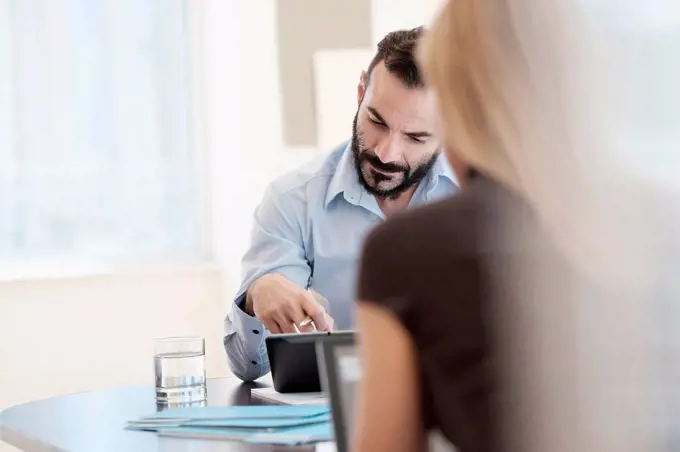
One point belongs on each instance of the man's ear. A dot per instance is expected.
(361, 89)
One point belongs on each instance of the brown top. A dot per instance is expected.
(428, 266)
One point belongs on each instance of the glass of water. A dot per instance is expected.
(179, 363)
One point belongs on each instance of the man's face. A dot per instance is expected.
(393, 134)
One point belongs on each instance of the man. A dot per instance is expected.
(309, 228)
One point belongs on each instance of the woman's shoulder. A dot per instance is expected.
(448, 225)
(423, 252)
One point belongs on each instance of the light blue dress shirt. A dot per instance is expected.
(310, 227)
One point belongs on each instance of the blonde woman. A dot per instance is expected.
(477, 314)
(423, 287)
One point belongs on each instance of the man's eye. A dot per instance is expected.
(376, 122)
(417, 140)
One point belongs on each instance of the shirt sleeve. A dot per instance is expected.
(276, 247)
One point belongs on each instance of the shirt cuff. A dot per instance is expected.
(248, 327)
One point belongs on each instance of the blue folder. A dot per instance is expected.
(250, 423)
(268, 423)
(271, 424)
(285, 436)
(239, 412)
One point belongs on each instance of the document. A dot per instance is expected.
(288, 436)
(302, 398)
(326, 446)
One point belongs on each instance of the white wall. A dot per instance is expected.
(336, 76)
(78, 334)
(390, 15)
(242, 103)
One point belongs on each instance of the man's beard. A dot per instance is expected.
(410, 176)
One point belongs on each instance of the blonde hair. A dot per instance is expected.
(526, 95)
(530, 93)
(457, 55)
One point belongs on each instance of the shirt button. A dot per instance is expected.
(256, 332)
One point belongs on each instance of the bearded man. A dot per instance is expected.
(309, 228)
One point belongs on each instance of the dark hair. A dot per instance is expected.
(397, 51)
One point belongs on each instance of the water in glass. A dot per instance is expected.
(180, 375)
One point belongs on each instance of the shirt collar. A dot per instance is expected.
(345, 180)
(441, 170)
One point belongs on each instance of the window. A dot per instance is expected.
(96, 158)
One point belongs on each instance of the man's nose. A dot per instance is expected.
(389, 150)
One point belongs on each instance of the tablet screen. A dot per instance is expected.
(349, 370)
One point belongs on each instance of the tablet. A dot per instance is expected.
(293, 361)
(340, 372)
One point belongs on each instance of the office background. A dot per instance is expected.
(135, 140)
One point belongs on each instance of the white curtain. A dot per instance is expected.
(96, 158)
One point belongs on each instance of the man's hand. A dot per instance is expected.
(282, 306)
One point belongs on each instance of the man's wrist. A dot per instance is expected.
(251, 295)
(248, 303)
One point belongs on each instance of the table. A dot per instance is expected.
(93, 422)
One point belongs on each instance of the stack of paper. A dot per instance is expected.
(302, 398)
(271, 424)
